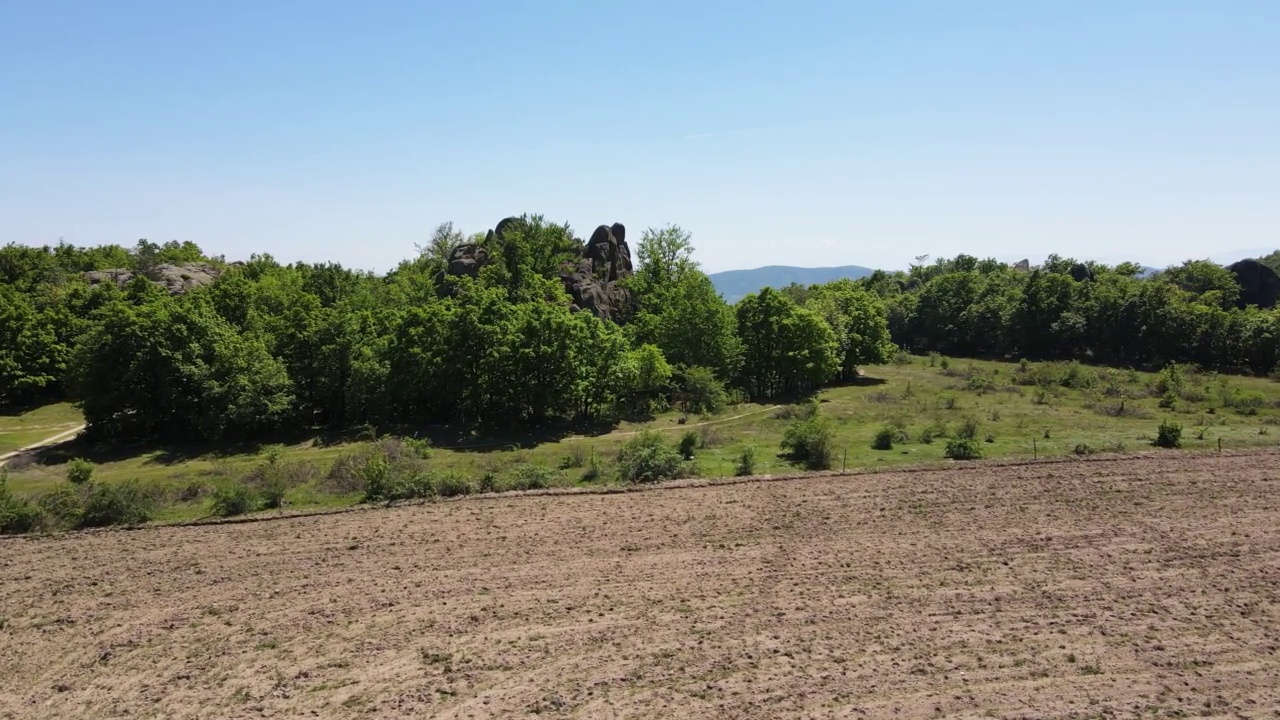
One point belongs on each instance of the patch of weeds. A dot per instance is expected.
(968, 429)
(575, 458)
(1093, 668)
(746, 462)
(452, 485)
(949, 401)
(126, 503)
(799, 411)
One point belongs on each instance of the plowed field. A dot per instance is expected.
(1142, 586)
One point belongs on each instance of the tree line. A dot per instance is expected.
(271, 347)
(1068, 310)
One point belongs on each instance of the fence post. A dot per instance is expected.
(845, 460)
(1219, 445)
(1035, 450)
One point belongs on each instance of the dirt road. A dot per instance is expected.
(1142, 587)
(51, 440)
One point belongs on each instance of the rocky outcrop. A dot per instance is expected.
(1022, 266)
(593, 281)
(1081, 272)
(175, 279)
(1259, 284)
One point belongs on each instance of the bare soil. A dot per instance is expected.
(1131, 587)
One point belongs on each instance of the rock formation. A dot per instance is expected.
(1081, 272)
(175, 279)
(1259, 284)
(593, 281)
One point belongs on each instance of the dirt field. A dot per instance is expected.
(1139, 587)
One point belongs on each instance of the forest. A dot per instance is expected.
(531, 326)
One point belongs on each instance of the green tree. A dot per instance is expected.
(858, 320)
(786, 348)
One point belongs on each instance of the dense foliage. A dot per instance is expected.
(271, 347)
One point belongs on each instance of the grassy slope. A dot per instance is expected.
(19, 431)
(1020, 420)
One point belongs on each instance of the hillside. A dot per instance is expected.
(737, 284)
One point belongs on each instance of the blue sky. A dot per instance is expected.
(801, 133)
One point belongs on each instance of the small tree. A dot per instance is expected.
(79, 471)
(883, 439)
(688, 444)
(746, 464)
(810, 442)
(1169, 435)
(647, 458)
(964, 449)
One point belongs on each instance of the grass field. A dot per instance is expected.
(23, 429)
(1011, 410)
(1110, 587)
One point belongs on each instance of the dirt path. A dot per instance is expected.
(52, 440)
(1131, 587)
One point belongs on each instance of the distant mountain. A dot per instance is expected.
(737, 284)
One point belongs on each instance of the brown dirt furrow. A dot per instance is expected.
(1135, 587)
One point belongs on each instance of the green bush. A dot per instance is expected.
(963, 449)
(647, 458)
(488, 483)
(1084, 449)
(17, 515)
(1169, 435)
(125, 503)
(746, 464)
(231, 500)
(273, 487)
(532, 477)
(63, 506)
(968, 429)
(884, 439)
(450, 485)
(688, 444)
(79, 471)
(810, 442)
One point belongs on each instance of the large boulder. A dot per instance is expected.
(1259, 284)
(175, 279)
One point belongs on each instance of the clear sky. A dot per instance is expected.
(800, 133)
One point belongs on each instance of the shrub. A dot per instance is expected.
(688, 444)
(79, 471)
(799, 411)
(902, 357)
(710, 436)
(883, 439)
(1084, 449)
(950, 400)
(926, 436)
(646, 458)
(968, 429)
(116, 504)
(532, 477)
(17, 515)
(810, 442)
(963, 449)
(450, 485)
(934, 358)
(488, 483)
(746, 463)
(231, 500)
(64, 506)
(1169, 435)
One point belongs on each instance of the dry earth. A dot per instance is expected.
(1133, 587)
